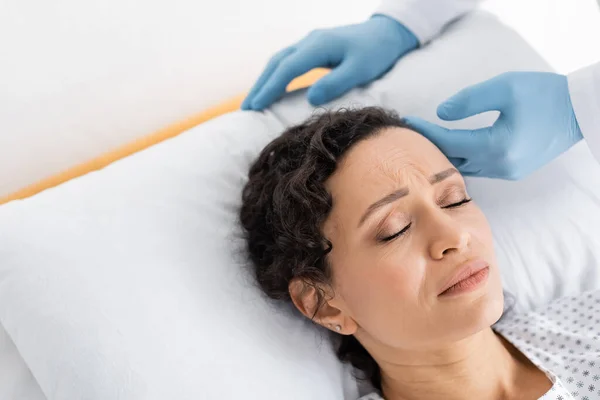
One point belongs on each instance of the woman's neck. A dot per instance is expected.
(484, 366)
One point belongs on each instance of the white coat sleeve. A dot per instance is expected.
(584, 89)
(425, 18)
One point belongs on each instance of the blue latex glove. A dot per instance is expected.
(536, 124)
(358, 53)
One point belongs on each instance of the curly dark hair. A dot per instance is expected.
(285, 204)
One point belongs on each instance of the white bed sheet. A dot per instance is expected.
(16, 380)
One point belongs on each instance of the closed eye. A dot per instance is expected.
(397, 234)
(403, 231)
(460, 203)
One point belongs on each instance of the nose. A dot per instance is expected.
(446, 236)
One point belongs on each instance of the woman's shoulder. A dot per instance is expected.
(556, 333)
(567, 313)
(582, 309)
(562, 338)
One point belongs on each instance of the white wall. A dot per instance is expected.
(80, 77)
(565, 32)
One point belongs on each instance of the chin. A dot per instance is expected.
(471, 314)
(494, 309)
(488, 310)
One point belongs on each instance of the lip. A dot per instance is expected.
(470, 272)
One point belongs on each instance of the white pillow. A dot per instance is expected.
(129, 283)
(16, 381)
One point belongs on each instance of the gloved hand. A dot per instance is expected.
(358, 53)
(536, 124)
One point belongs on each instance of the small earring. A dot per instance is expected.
(338, 328)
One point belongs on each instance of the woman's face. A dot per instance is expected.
(402, 231)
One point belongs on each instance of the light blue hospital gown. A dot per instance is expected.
(563, 340)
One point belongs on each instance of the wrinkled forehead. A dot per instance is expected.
(394, 158)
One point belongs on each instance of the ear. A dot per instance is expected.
(305, 296)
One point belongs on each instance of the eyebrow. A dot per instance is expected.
(398, 194)
(440, 176)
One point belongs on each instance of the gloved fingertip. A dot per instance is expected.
(316, 97)
(424, 127)
(457, 162)
(246, 105)
(444, 111)
(453, 109)
(258, 105)
(412, 121)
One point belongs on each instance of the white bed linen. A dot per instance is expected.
(16, 380)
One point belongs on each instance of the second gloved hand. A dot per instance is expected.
(358, 54)
(536, 124)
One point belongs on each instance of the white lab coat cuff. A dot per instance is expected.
(425, 18)
(411, 18)
(584, 89)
